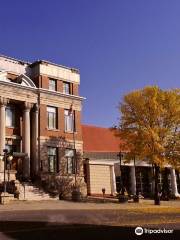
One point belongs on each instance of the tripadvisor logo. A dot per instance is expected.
(139, 231)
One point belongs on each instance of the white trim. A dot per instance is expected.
(26, 80)
(41, 90)
(13, 84)
(3, 76)
(96, 162)
(47, 91)
(13, 136)
(138, 163)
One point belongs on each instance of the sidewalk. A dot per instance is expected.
(144, 205)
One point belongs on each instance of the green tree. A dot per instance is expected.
(150, 127)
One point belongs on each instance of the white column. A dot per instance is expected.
(133, 179)
(35, 163)
(113, 180)
(26, 138)
(3, 102)
(174, 183)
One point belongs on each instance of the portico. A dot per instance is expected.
(139, 178)
(19, 122)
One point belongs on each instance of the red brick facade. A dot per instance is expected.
(29, 95)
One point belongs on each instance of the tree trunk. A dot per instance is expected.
(156, 193)
(165, 186)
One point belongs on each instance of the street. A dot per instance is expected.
(52, 220)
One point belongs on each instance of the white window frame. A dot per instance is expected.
(52, 84)
(52, 112)
(52, 159)
(69, 121)
(70, 161)
(66, 88)
(10, 120)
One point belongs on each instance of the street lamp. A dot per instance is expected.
(9, 161)
(75, 156)
(71, 113)
(76, 192)
(7, 158)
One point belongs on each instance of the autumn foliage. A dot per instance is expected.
(150, 125)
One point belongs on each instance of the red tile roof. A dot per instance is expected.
(98, 139)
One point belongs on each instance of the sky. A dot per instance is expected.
(118, 45)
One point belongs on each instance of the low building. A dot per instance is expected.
(102, 155)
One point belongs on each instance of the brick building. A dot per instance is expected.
(40, 123)
(40, 118)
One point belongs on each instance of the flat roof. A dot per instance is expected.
(31, 64)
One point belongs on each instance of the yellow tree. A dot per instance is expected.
(150, 127)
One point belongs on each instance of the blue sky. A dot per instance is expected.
(118, 45)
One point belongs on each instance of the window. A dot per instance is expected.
(52, 118)
(69, 121)
(66, 88)
(70, 166)
(52, 84)
(10, 117)
(52, 159)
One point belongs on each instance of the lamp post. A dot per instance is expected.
(75, 159)
(76, 195)
(7, 159)
(71, 113)
(8, 162)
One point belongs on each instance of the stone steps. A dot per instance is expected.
(33, 193)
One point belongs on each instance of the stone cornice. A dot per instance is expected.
(42, 90)
(59, 78)
(14, 59)
(13, 84)
(53, 93)
(43, 68)
(18, 92)
(45, 62)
